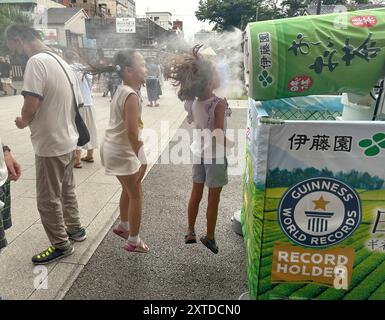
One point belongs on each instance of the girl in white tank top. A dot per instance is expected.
(121, 151)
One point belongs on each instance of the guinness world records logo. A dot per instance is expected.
(319, 212)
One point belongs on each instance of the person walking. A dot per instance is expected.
(152, 83)
(5, 76)
(87, 110)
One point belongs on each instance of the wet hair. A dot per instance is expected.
(21, 31)
(123, 58)
(192, 73)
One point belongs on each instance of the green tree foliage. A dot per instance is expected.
(283, 178)
(293, 8)
(9, 15)
(226, 14)
(335, 2)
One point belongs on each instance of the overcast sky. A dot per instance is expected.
(180, 9)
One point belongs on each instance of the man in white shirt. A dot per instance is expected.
(49, 111)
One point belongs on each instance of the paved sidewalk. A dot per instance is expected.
(172, 270)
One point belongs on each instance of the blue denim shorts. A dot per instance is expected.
(212, 175)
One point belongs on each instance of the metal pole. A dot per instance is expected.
(319, 7)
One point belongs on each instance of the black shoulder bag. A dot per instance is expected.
(84, 135)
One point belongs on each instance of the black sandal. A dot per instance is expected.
(210, 244)
(190, 238)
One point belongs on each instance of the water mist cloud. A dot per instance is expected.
(229, 58)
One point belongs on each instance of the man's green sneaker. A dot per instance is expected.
(51, 254)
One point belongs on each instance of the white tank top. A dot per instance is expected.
(116, 131)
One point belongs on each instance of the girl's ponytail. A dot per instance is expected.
(121, 59)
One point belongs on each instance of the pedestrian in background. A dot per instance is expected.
(152, 83)
(87, 110)
(6, 77)
(114, 81)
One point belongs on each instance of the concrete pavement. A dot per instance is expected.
(98, 197)
(172, 270)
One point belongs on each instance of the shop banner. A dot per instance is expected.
(314, 210)
(326, 54)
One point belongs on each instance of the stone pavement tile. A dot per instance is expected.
(100, 177)
(92, 200)
(21, 187)
(57, 282)
(19, 139)
(16, 269)
(29, 173)
(82, 175)
(95, 234)
(26, 160)
(238, 104)
(24, 215)
(116, 198)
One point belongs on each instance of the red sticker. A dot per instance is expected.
(248, 134)
(300, 84)
(363, 21)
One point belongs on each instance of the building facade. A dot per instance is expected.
(163, 19)
(70, 26)
(32, 5)
(125, 9)
(104, 8)
(177, 27)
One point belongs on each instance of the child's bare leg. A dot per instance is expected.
(134, 193)
(193, 205)
(78, 155)
(212, 211)
(123, 203)
(90, 153)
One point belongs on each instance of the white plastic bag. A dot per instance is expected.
(3, 168)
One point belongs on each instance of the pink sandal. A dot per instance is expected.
(141, 247)
(119, 231)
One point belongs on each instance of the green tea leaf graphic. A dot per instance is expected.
(365, 143)
(379, 137)
(372, 151)
(382, 144)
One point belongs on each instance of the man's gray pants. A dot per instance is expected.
(56, 198)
